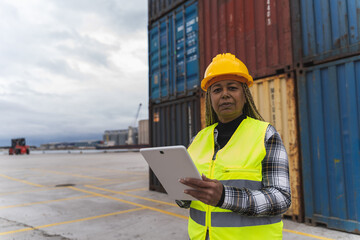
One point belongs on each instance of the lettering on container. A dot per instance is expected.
(191, 51)
(190, 22)
(272, 99)
(193, 58)
(268, 13)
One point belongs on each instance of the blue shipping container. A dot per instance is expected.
(174, 54)
(329, 110)
(330, 29)
(158, 8)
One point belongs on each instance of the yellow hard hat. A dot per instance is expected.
(226, 66)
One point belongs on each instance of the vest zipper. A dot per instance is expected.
(208, 215)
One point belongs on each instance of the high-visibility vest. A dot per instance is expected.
(237, 164)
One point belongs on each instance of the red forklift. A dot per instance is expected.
(18, 146)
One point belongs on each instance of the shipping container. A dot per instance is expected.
(143, 137)
(325, 30)
(275, 98)
(173, 123)
(257, 32)
(329, 117)
(174, 55)
(159, 8)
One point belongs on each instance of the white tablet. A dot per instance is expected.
(169, 165)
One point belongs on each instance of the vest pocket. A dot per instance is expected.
(232, 173)
(239, 170)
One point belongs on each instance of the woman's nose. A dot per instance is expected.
(225, 93)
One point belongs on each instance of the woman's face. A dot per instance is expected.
(227, 99)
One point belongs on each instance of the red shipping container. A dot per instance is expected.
(258, 32)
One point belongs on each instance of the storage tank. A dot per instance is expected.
(132, 136)
(143, 137)
(329, 111)
(115, 137)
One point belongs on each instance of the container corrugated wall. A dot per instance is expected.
(325, 30)
(159, 8)
(173, 54)
(329, 104)
(275, 98)
(173, 123)
(257, 32)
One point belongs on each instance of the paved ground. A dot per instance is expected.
(97, 196)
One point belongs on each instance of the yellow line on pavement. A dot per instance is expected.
(113, 170)
(136, 189)
(131, 195)
(27, 191)
(115, 181)
(71, 221)
(131, 203)
(70, 174)
(22, 181)
(307, 234)
(157, 201)
(141, 206)
(48, 201)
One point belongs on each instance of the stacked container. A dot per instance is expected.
(326, 54)
(304, 57)
(173, 75)
(259, 34)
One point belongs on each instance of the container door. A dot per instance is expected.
(154, 64)
(186, 49)
(275, 100)
(329, 109)
(173, 54)
(175, 122)
(330, 29)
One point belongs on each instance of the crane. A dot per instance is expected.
(137, 115)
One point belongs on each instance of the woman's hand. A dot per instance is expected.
(206, 190)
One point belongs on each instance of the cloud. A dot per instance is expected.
(71, 68)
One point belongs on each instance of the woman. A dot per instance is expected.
(245, 184)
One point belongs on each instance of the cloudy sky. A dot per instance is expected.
(71, 69)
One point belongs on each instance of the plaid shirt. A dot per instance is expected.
(274, 197)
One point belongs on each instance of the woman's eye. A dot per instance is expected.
(217, 90)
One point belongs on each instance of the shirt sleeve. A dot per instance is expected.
(274, 197)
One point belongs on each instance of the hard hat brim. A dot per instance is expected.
(244, 78)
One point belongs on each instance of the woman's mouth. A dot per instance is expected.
(227, 104)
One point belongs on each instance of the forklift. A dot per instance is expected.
(18, 146)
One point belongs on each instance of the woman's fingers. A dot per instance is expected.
(207, 190)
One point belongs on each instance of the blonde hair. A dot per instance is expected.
(249, 108)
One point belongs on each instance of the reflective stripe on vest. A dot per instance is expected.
(231, 219)
(237, 164)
